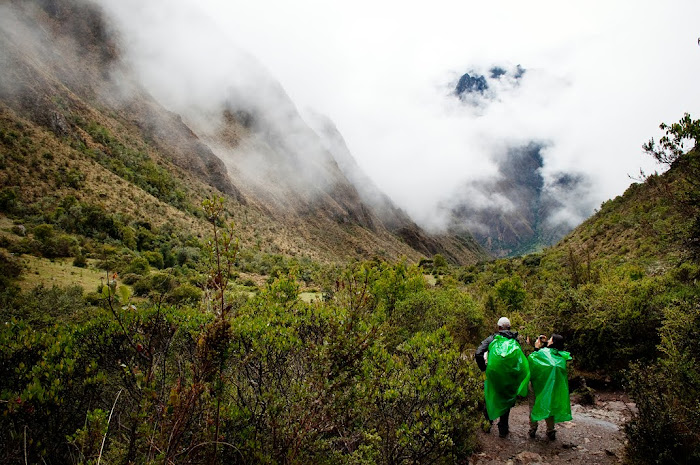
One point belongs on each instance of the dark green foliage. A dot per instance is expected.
(510, 293)
(431, 309)
(135, 166)
(80, 261)
(43, 306)
(278, 380)
(72, 178)
(154, 259)
(666, 428)
(8, 199)
(50, 379)
(155, 283)
(439, 261)
(425, 400)
(671, 145)
(185, 294)
(138, 265)
(10, 268)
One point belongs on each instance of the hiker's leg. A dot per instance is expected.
(551, 433)
(490, 422)
(503, 424)
(550, 424)
(531, 403)
(533, 429)
(486, 414)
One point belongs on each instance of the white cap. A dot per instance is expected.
(504, 323)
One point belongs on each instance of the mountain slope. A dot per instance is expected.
(654, 222)
(62, 71)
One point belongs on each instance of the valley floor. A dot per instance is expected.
(595, 436)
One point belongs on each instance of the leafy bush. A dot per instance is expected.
(139, 265)
(185, 294)
(425, 399)
(80, 261)
(10, 268)
(154, 258)
(8, 199)
(666, 428)
(44, 306)
(156, 283)
(49, 382)
(432, 309)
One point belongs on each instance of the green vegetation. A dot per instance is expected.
(179, 349)
(133, 165)
(203, 374)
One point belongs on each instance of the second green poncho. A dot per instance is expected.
(550, 384)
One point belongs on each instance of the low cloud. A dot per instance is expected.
(587, 81)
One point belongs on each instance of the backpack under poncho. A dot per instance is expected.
(507, 375)
(550, 384)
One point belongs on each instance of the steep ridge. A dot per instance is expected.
(62, 70)
(652, 223)
(58, 58)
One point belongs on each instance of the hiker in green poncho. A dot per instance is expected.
(507, 373)
(550, 384)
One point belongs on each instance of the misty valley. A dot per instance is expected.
(196, 271)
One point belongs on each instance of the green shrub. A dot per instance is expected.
(43, 232)
(187, 256)
(10, 268)
(154, 258)
(431, 309)
(155, 283)
(666, 428)
(62, 245)
(424, 400)
(139, 265)
(185, 294)
(80, 261)
(8, 199)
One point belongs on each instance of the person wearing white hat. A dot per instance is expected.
(481, 355)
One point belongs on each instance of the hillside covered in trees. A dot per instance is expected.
(179, 361)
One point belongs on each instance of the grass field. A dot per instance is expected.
(309, 297)
(59, 272)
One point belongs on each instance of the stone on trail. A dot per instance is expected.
(528, 458)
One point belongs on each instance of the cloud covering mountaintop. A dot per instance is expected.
(589, 82)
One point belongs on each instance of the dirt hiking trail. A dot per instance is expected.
(594, 436)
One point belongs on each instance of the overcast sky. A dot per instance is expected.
(600, 77)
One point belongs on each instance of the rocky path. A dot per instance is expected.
(594, 436)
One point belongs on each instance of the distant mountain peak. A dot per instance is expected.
(471, 84)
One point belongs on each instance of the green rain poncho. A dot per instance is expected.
(507, 375)
(551, 385)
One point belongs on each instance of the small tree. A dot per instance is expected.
(672, 146)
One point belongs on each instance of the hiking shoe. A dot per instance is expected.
(552, 435)
(502, 433)
(533, 433)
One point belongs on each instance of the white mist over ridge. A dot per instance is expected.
(597, 82)
(185, 61)
(595, 86)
